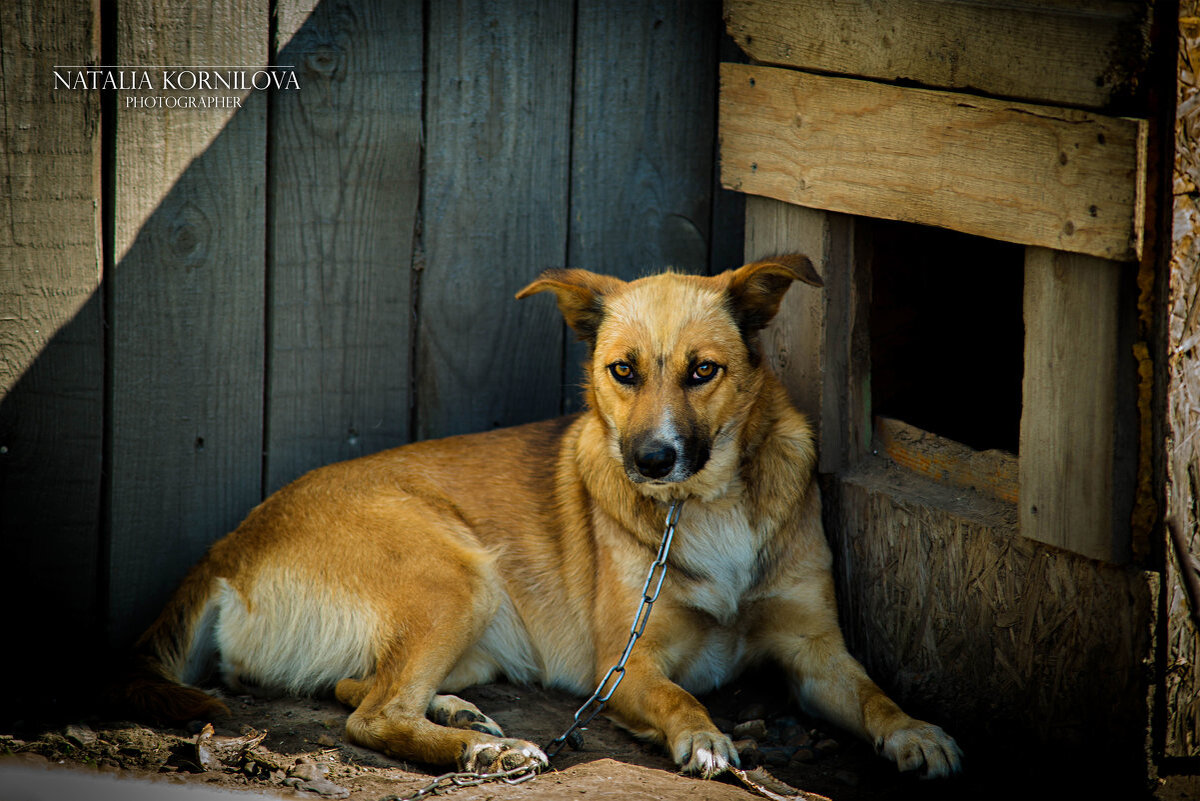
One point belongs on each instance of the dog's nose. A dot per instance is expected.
(655, 460)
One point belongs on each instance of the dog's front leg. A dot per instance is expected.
(652, 706)
(801, 631)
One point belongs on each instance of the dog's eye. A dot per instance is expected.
(705, 371)
(622, 371)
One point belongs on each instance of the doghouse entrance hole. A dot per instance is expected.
(947, 334)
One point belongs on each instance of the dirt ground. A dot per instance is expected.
(304, 754)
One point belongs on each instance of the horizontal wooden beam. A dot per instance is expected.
(992, 473)
(1034, 175)
(1060, 52)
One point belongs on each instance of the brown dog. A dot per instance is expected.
(412, 573)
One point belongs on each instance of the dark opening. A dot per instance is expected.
(947, 334)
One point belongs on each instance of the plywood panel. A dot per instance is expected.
(643, 130)
(1069, 395)
(187, 305)
(494, 213)
(51, 340)
(1028, 174)
(1062, 52)
(345, 181)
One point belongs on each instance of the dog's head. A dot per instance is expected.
(675, 364)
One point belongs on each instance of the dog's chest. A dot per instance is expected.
(716, 554)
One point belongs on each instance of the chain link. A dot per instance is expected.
(592, 706)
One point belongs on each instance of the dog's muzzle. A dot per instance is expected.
(658, 460)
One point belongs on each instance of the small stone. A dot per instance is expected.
(80, 734)
(826, 746)
(747, 751)
(751, 728)
(752, 712)
(326, 740)
(776, 757)
(797, 737)
(803, 756)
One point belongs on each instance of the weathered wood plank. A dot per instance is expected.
(993, 473)
(643, 131)
(494, 213)
(344, 186)
(1069, 396)
(1182, 448)
(1063, 52)
(1033, 175)
(187, 305)
(51, 338)
(1028, 648)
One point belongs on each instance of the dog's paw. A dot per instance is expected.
(496, 756)
(705, 753)
(922, 745)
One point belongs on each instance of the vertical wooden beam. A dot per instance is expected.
(643, 129)
(494, 213)
(1069, 399)
(187, 305)
(51, 339)
(344, 187)
(818, 344)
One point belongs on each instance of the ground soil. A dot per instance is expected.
(611, 764)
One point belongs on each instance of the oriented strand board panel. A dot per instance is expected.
(643, 130)
(1037, 656)
(1034, 175)
(1182, 676)
(51, 336)
(1059, 52)
(1068, 419)
(494, 213)
(187, 305)
(344, 187)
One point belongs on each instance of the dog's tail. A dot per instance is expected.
(175, 650)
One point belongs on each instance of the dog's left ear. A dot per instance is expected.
(756, 290)
(580, 297)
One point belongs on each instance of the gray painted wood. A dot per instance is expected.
(344, 187)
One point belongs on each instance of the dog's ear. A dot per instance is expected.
(756, 290)
(580, 297)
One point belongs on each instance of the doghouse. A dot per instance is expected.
(197, 305)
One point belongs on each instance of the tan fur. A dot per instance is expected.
(399, 577)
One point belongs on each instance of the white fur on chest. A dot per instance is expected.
(716, 545)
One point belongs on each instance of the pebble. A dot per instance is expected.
(747, 751)
(756, 728)
(797, 737)
(80, 734)
(776, 757)
(803, 756)
(826, 746)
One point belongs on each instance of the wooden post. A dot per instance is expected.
(818, 343)
(187, 306)
(1069, 401)
(345, 181)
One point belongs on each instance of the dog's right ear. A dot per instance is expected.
(580, 297)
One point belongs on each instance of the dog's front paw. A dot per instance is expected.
(497, 755)
(704, 753)
(922, 744)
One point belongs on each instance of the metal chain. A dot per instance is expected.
(584, 715)
(600, 697)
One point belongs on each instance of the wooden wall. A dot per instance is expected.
(196, 306)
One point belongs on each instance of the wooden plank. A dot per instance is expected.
(643, 133)
(1033, 175)
(1064, 52)
(187, 305)
(1002, 639)
(1181, 671)
(495, 213)
(993, 473)
(51, 338)
(344, 186)
(1069, 401)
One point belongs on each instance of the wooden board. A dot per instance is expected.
(643, 130)
(993, 473)
(1034, 175)
(1028, 652)
(1064, 53)
(344, 186)
(1068, 419)
(1182, 448)
(497, 126)
(51, 337)
(187, 306)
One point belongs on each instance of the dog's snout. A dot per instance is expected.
(655, 459)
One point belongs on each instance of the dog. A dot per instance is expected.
(400, 578)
